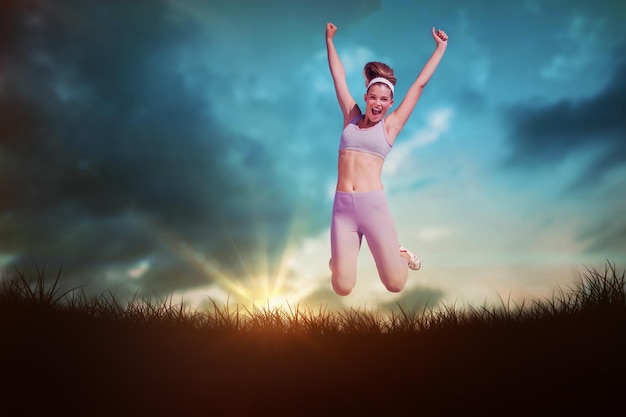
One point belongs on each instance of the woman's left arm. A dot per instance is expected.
(398, 118)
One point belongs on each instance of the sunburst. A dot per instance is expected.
(266, 281)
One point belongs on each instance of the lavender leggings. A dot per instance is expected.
(364, 214)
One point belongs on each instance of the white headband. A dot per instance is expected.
(381, 80)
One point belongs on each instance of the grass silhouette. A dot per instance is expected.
(64, 353)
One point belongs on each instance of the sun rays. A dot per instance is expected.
(257, 278)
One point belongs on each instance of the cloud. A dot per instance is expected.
(544, 135)
(116, 160)
(607, 234)
(582, 40)
(584, 140)
(438, 123)
(415, 299)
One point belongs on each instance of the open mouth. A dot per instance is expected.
(376, 112)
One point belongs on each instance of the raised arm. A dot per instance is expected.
(397, 119)
(349, 108)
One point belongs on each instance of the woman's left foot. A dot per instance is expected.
(415, 262)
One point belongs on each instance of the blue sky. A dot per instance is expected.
(189, 148)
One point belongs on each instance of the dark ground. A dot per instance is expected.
(59, 364)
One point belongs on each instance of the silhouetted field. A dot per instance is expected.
(63, 353)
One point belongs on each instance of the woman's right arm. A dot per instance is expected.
(349, 108)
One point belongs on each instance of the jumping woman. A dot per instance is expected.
(360, 206)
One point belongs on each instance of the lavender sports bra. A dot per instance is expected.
(372, 140)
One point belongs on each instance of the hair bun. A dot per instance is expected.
(376, 69)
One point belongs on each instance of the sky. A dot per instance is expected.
(188, 149)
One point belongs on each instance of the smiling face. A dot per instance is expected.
(378, 99)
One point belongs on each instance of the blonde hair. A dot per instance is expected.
(375, 69)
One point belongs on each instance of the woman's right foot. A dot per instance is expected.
(414, 261)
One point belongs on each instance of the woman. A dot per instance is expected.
(360, 206)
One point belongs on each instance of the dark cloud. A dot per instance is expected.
(610, 241)
(607, 235)
(415, 300)
(545, 135)
(594, 129)
(113, 158)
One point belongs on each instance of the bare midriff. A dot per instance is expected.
(359, 171)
